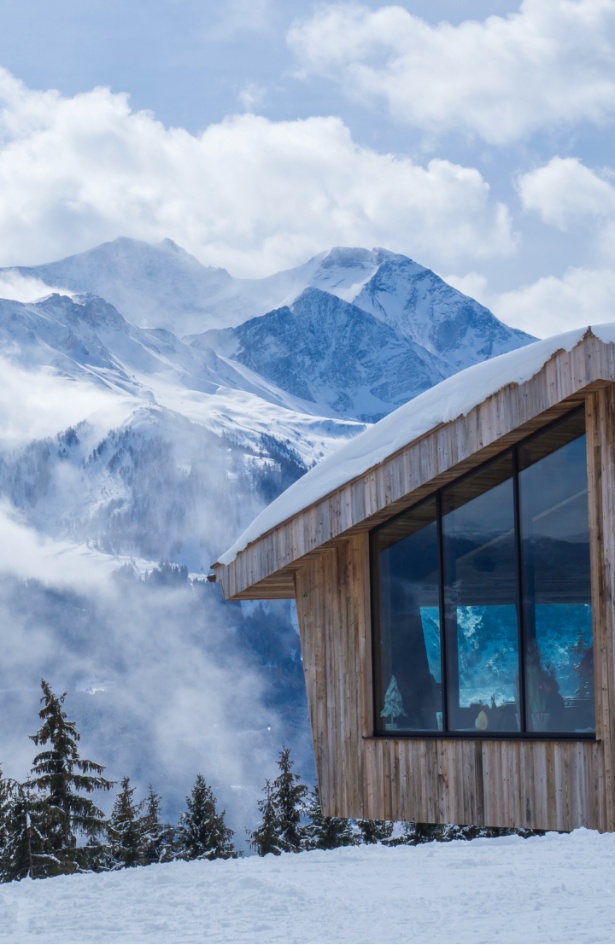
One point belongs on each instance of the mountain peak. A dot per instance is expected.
(346, 257)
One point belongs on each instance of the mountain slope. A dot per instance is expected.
(333, 354)
(422, 307)
(156, 286)
(162, 286)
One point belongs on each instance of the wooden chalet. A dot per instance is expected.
(453, 569)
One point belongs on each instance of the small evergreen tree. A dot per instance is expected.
(58, 778)
(126, 829)
(325, 833)
(282, 809)
(289, 799)
(158, 838)
(202, 833)
(5, 796)
(264, 838)
(374, 831)
(26, 850)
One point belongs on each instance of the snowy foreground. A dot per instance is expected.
(547, 889)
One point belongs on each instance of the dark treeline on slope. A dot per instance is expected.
(49, 825)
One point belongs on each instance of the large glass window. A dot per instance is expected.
(480, 592)
(558, 664)
(482, 611)
(410, 680)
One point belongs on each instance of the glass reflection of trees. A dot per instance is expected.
(482, 609)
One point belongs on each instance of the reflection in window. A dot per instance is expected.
(410, 696)
(482, 633)
(556, 581)
(490, 581)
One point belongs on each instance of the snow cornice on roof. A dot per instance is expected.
(337, 494)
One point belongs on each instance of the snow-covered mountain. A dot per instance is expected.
(155, 286)
(332, 354)
(162, 286)
(150, 407)
(186, 422)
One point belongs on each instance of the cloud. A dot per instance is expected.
(252, 96)
(28, 555)
(13, 285)
(565, 192)
(40, 403)
(549, 65)
(156, 682)
(552, 304)
(249, 194)
(241, 16)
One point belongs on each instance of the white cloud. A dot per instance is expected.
(552, 305)
(550, 64)
(474, 284)
(38, 403)
(252, 96)
(13, 285)
(240, 16)
(248, 193)
(28, 555)
(565, 192)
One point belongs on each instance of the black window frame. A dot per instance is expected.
(437, 495)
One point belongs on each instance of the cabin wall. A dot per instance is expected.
(541, 784)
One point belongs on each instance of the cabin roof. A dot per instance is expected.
(347, 488)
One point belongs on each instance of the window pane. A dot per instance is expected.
(408, 646)
(559, 690)
(482, 634)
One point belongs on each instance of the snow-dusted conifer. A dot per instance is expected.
(158, 838)
(374, 831)
(5, 796)
(325, 833)
(202, 833)
(26, 850)
(264, 838)
(282, 809)
(59, 777)
(126, 828)
(289, 799)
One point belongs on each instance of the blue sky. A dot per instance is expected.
(475, 137)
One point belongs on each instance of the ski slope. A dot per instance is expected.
(556, 888)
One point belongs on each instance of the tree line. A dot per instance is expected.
(50, 826)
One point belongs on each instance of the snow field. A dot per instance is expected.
(546, 889)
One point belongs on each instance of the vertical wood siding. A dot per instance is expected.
(541, 784)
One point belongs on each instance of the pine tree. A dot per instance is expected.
(5, 796)
(26, 850)
(202, 833)
(375, 831)
(158, 838)
(126, 829)
(325, 833)
(264, 838)
(282, 809)
(289, 799)
(58, 778)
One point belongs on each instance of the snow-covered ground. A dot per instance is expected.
(546, 889)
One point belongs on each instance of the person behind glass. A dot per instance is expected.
(409, 664)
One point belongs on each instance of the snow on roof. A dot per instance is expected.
(452, 398)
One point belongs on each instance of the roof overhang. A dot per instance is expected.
(265, 568)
